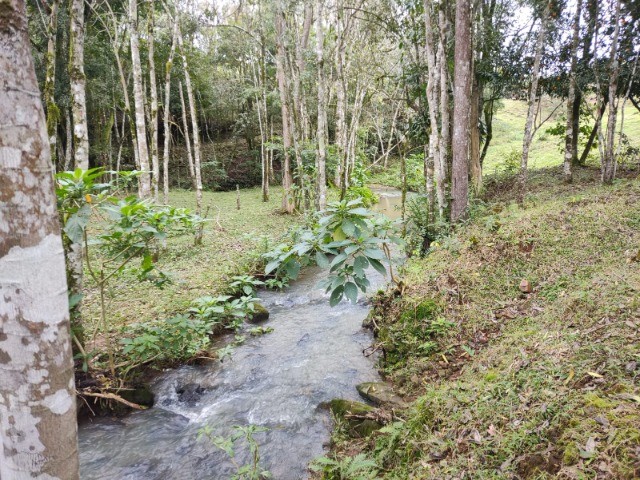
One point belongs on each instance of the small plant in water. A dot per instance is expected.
(243, 434)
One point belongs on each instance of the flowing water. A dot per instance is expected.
(278, 381)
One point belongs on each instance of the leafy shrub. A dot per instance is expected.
(175, 339)
(244, 284)
(223, 311)
(511, 162)
(364, 193)
(421, 231)
(354, 237)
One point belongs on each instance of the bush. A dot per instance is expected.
(363, 193)
(175, 339)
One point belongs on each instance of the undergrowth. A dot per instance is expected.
(518, 341)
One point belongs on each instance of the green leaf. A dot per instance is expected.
(336, 295)
(292, 267)
(271, 266)
(77, 223)
(360, 264)
(322, 260)
(378, 266)
(74, 300)
(351, 291)
(338, 259)
(374, 253)
(363, 212)
(348, 227)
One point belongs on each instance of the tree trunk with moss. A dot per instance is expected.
(144, 180)
(37, 394)
(153, 113)
(608, 167)
(321, 140)
(287, 180)
(461, 112)
(53, 112)
(78, 85)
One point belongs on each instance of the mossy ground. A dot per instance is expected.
(523, 385)
(231, 240)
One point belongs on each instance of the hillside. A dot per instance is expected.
(517, 341)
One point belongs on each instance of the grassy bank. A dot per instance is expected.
(231, 237)
(508, 132)
(518, 342)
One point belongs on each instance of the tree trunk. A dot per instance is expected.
(571, 130)
(187, 139)
(153, 113)
(590, 13)
(78, 84)
(445, 115)
(166, 110)
(341, 101)
(532, 103)
(287, 180)
(68, 151)
(37, 393)
(608, 168)
(53, 112)
(321, 153)
(474, 145)
(461, 112)
(432, 159)
(144, 185)
(195, 132)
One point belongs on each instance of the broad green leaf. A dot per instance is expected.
(378, 266)
(322, 260)
(336, 296)
(351, 291)
(271, 266)
(374, 253)
(348, 227)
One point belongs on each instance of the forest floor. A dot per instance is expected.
(232, 240)
(517, 341)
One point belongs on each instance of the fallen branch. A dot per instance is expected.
(112, 396)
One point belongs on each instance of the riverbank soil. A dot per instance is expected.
(517, 340)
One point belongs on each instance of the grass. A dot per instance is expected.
(230, 238)
(508, 132)
(524, 385)
(546, 150)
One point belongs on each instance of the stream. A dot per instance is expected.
(278, 381)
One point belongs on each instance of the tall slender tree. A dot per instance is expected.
(195, 132)
(37, 395)
(144, 184)
(53, 112)
(78, 82)
(571, 130)
(461, 112)
(532, 102)
(321, 152)
(608, 167)
(166, 111)
(153, 106)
